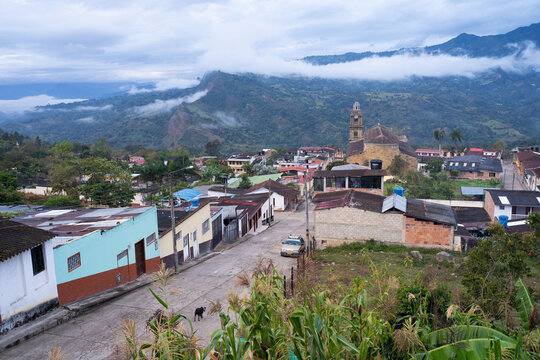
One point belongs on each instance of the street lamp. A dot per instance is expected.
(173, 225)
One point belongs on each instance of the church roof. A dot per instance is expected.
(379, 134)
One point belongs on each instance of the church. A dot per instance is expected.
(377, 142)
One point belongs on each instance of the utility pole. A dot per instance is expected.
(307, 209)
(173, 224)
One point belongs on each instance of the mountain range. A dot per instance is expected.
(249, 111)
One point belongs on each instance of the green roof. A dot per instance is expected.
(254, 180)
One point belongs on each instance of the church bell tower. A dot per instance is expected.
(356, 127)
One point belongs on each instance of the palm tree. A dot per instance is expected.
(438, 134)
(456, 137)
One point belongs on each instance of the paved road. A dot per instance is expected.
(97, 334)
(511, 178)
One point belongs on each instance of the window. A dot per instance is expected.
(206, 226)
(356, 134)
(371, 182)
(355, 182)
(150, 239)
(318, 184)
(186, 240)
(480, 173)
(464, 164)
(122, 255)
(38, 261)
(74, 261)
(491, 174)
(501, 207)
(340, 182)
(329, 182)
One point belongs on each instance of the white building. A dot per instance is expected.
(27, 275)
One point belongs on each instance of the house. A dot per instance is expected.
(378, 142)
(248, 210)
(282, 196)
(136, 161)
(428, 153)
(237, 161)
(474, 167)
(98, 249)
(528, 164)
(27, 274)
(36, 186)
(347, 216)
(366, 180)
(194, 235)
(492, 153)
(515, 204)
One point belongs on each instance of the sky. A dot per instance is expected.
(171, 43)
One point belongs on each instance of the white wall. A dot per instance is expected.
(20, 290)
(497, 211)
(278, 199)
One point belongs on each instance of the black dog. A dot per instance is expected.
(199, 312)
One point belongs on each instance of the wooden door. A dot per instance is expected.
(140, 258)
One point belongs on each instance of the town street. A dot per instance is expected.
(97, 334)
(511, 179)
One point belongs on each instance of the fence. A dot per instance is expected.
(291, 286)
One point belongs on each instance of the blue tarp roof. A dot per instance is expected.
(187, 194)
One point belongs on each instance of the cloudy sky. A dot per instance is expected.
(170, 43)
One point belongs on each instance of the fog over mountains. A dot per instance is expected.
(485, 85)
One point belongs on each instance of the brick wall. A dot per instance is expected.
(342, 225)
(420, 232)
(384, 152)
(475, 175)
(489, 205)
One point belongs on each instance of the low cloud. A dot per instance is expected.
(29, 103)
(397, 67)
(167, 84)
(88, 119)
(225, 119)
(161, 106)
(94, 108)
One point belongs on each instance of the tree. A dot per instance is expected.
(212, 148)
(456, 137)
(397, 166)
(438, 134)
(249, 169)
(62, 149)
(434, 165)
(245, 183)
(107, 183)
(8, 189)
(494, 266)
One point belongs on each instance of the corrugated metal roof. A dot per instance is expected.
(475, 190)
(394, 202)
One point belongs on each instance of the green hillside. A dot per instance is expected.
(251, 111)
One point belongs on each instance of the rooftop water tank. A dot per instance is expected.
(399, 191)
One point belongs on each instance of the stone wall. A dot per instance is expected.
(341, 225)
(421, 233)
(384, 152)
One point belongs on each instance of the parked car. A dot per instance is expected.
(292, 246)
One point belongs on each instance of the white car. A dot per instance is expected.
(292, 246)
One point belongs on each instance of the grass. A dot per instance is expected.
(335, 267)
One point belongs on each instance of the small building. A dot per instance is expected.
(237, 161)
(515, 204)
(348, 216)
(27, 275)
(193, 232)
(474, 167)
(36, 186)
(98, 249)
(492, 153)
(428, 153)
(282, 196)
(249, 211)
(366, 180)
